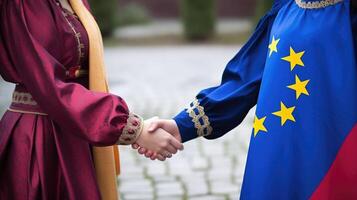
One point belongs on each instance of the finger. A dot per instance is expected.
(160, 157)
(155, 125)
(167, 154)
(146, 155)
(135, 146)
(171, 149)
(149, 154)
(142, 150)
(154, 156)
(176, 144)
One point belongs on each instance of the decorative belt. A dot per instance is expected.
(22, 102)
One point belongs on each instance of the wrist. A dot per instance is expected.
(132, 130)
(177, 131)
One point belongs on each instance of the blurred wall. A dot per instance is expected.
(171, 8)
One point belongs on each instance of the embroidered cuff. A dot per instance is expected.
(23, 98)
(200, 119)
(193, 122)
(132, 130)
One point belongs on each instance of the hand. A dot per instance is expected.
(168, 125)
(158, 141)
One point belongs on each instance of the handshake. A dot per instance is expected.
(160, 139)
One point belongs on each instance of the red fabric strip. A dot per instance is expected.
(341, 180)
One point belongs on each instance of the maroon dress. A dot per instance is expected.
(47, 133)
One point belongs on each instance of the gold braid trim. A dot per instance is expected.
(23, 98)
(204, 129)
(26, 112)
(316, 4)
(132, 130)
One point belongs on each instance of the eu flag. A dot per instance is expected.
(304, 141)
(299, 67)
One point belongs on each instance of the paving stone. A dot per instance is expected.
(170, 198)
(179, 167)
(220, 174)
(192, 147)
(221, 162)
(159, 179)
(234, 196)
(213, 149)
(137, 186)
(238, 176)
(223, 187)
(188, 178)
(156, 169)
(138, 197)
(196, 188)
(169, 189)
(238, 181)
(133, 169)
(129, 177)
(199, 163)
(208, 197)
(143, 160)
(240, 161)
(128, 158)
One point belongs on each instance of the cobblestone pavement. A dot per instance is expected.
(162, 81)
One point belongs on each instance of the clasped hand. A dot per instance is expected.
(160, 139)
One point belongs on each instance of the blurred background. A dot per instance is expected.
(159, 55)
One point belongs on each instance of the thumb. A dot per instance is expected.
(155, 125)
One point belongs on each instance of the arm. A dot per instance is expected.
(31, 39)
(217, 110)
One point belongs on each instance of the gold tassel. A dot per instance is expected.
(106, 159)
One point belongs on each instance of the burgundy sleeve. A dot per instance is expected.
(101, 119)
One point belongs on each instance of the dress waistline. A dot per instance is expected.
(22, 102)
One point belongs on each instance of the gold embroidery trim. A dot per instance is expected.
(204, 129)
(26, 112)
(77, 35)
(132, 130)
(23, 98)
(316, 4)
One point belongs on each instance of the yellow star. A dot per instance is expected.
(273, 46)
(294, 58)
(285, 113)
(259, 125)
(299, 87)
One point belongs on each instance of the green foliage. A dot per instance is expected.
(199, 18)
(105, 12)
(133, 13)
